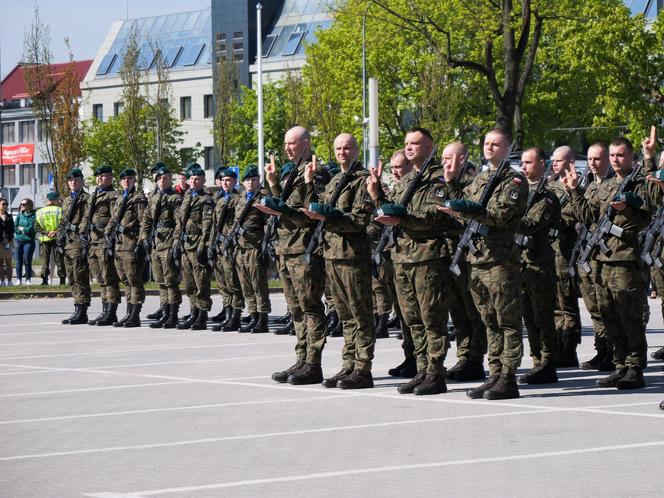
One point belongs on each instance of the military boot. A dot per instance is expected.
(338, 330)
(407, 368)
(262, 326)
(394, 322)
(201, 321)
(568, 357)
(104, 311)
(451, 333)
(247, 319)
(607, 364)
(359, 379)
(67, 320)
(286, 329)
(121, 321)
(111, 316)
(172, 320)
(341, 374)
(308, 374)
(658, 355)
(505, 388)
(282, 376)
(594, 362)
(157, 314)
(249, 324)
(381, 327)
(432, 384)
(221, 316)
(157, 324)
(540, 374)
(409, 387)
(188, 322)
(332, 319)
(478, 392)
(82, 316)
(633, 379)
(466, 370)
(283, 320)
(233, 324)
(134, 319)
(612, 379)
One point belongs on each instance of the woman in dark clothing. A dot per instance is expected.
(6, 242)
(25, 241)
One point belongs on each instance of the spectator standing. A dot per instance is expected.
(24, 232)
(6, 241)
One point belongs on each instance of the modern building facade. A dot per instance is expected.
(649, 8)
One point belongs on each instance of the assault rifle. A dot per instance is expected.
(389, 233)
(651, 247)
(219, 236)
(605, 226)
(69, 226)
(533, 195)
(317, 237)
(474, 227)
(85, 236)
(117, 228)
(152, 236)
(176, 252)
(232, 240)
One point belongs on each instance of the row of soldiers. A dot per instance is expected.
(525, 230)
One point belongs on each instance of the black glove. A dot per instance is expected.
(139, 251)
(201, 256)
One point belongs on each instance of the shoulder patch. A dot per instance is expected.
(514, 194)
(516, 181)
(439, 192)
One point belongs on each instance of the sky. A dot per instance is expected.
(85, 22)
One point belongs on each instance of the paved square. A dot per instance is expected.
(107, 412)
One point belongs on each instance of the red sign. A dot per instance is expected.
(18, 154)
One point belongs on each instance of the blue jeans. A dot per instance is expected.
(24, 253)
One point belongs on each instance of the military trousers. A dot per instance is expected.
(468, 326)
(620, 287)
(539, 284)
(130, 270)
(51, 256)
(252, 274)
(78, 275)
(166, 276)
(228, 283)
(303, 287)
(566, 312)
(350, 283)
(103, 270)
(658, 279)
(496, 290)
(382, 287)
(589, 295)
(196, 278)
(422, 291)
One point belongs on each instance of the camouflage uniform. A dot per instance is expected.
(539, 280)
(382, 285)
(102, 266)
(130, 268)
(164, 271)
(197, 208)
(78, 271)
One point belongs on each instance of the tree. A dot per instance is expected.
(227, 102)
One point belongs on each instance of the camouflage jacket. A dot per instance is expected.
(225, 207)
(169, 203)
(101, 216)
(129, 226)
(254, 224)
(536, 224)
(194, 220)
(566, 233)
(72, 234)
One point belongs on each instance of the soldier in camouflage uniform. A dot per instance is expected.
(421, 259)
(96, 219)
(121, 235)
(251, 268)
(619, 281)
(469, 328)
(598, 162)
(156, 239)
(495, 280)
(537, 271)
(348, 267)
(568, 318)
(69, 240)
(303, 282)
(192, 227)
(228, 283)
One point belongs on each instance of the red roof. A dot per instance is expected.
(13, 86)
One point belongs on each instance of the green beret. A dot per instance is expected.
(219, 172)
(325, 210)
(195, 172)
(276, 204)
(103, 169)
(251, 172)
(229, 172)
(463, 206)
(629, 198)
(157, 167)
(659, 174)
(391, 210)
(74, 173)
(332, 167)
(127, 172)
(161, 172)
(286, 169)
(52, 196)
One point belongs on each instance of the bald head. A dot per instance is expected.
(399, 165)
(598, 160)
(297, 143)
(345, 150)
(563, 160)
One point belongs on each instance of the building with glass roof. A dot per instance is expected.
(650, 8)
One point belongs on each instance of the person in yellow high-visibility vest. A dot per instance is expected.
(48, 219)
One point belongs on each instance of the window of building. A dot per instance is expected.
(185, 157)
(117, 108)
(221, 47)
(208, 106)
(44, 169)
(8, 136)
(9, 174)
(26, 131)
(172, 55)
(41, 131)
(185, 108)
(208, 155)
(98, 111)
(26, 174)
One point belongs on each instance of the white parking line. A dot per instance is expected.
(267, 435)
(374, 470)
